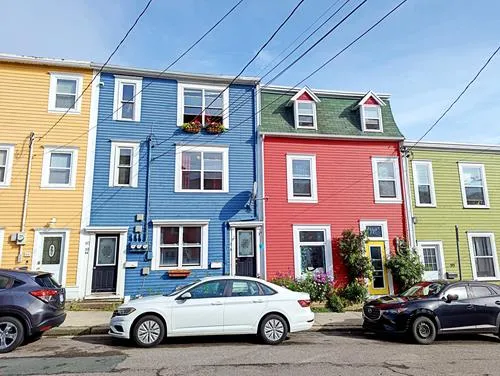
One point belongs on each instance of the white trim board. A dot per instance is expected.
(327, 243)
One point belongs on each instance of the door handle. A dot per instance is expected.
(258, 301)
(497, 302)
(216, 303)
(470, 307)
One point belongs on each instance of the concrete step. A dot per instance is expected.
(94, 305)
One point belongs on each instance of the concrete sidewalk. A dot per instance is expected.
(97, 322)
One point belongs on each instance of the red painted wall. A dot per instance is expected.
(305, 97)
(371, 100)
(345, 196)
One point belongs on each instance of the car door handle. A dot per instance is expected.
(497, 302)
(216, 303)
(258, 301)
(470, 307)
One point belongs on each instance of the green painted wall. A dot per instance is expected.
(438, 224)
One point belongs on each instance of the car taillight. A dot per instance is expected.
(45, 295)
(304, 303)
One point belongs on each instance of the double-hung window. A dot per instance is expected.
(301, 178)
(483, 255)
(201, 169)
(371, 118)
(312, 248)
(386, 181)
(128, 97)
(124, 164)
(6, 157)
(59, 167)
(473, 184)
(64, 92)
(423, 181)
(180, 245)
(305, 114)
(203, 104)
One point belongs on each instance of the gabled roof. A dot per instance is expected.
(370, 97)
(305, 92)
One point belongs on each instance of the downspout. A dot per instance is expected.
(148, 185)
(26, 193)
(410, 225)
(457, 239)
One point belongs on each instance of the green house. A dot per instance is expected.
(454, 220)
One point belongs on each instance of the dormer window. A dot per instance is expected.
(370, 113)
(304, 109)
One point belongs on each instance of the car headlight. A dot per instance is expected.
(123, 311)
(396, 310)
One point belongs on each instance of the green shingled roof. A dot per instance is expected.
(337, 116)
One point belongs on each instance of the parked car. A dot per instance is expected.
(30, 304)
(215, 306)
(439, 307)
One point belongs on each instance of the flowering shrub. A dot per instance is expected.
(192, 127)
(319, 286)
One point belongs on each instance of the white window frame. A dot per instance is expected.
(491, 236)
(363, 118)
(376, 189)
(181, 86)
(158, 224)
(296, 114)
(47, 152)
(114, 160)
(118, 96)
(8, 164)
(54, 76)
(289, 177)
(210, 149)
(327, 243)
(428, 165)
(462, 185)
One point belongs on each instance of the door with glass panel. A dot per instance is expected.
(379, 283)
(50, 254)
(431, 257)
(245, 253)
(105, 264)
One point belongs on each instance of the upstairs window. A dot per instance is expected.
(305, 114)
(371, 118)
(473, 184)
(301, 178)
(64, 92)
(387, 186)
(59, 167)
(6, 157)
(124, 164)
(203, 104)
(424, 183)
(127, 103)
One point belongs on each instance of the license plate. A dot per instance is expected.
(61, 298)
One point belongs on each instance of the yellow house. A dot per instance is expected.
(43, 163)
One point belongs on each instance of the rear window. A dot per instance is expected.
(47, 281)
(4, 282)
(266, 290)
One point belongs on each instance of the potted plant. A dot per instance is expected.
(179, 273)
(214, 127)
(193, 126)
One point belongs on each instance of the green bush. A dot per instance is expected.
(354, 292)
(353, 252)
(405, 266)
(286, 281)
(335, 303)
(319, 286)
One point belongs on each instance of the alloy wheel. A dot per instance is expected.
(274, 329)
(8, 334)
(148, 332)
(424, 330)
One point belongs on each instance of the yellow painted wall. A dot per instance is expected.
(24, 96)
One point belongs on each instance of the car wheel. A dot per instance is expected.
(423, 330)
(11, 334)
(148, 331)
(273, 329)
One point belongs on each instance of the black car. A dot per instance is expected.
(30, 304)
(431, 308)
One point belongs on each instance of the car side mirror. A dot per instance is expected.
(451, 297)
(185, 296)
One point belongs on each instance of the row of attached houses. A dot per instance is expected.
(119, 198)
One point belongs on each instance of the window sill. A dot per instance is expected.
(58, 111)
(128, 120)
(302, 201)
(476, 206)
(395, 201)
(123, 186)
(3, 186)
(373, 130)
(176, 268)
(484, 279)
(199, 191)
(310, 128)
(425, 205)
(57, 188)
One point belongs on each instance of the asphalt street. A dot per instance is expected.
(310, 353)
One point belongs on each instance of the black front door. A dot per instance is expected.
(246, 264)
(105, 264)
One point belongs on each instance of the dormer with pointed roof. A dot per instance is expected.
(370, 113)
(304, 109)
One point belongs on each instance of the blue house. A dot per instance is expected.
(170, 205)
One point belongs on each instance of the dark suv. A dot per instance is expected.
(431, 308)
(30, 304)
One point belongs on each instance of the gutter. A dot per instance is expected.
(34, 60)
(330, 93)
(330, 136)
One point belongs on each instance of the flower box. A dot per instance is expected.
(215, 128)
(179, 273)
(192, 127)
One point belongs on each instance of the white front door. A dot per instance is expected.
(432, 257)
(50, 254)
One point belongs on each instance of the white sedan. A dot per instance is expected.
(215, 306)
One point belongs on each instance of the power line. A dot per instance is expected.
(104, 65)
(457, 98)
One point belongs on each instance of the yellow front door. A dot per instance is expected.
(379, 284)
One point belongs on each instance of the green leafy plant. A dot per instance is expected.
(354, 292)
(319, 286)
(335, 303)
(353, 253)
(192, 127)
(405, 266)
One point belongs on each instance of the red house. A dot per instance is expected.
(331, 161)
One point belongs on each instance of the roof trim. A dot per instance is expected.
(35, 60)
(369, 95)
(329, 136)
(305, 89)
(331, 93)
(453, 146)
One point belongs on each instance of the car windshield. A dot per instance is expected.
(181, 288)
(424, 289)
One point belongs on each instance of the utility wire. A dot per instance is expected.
(101, 69)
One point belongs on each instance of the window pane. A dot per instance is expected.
(2, 174)
(65, 101)
(460, 291)
(385, 170)
(170, 235)
(66, 86)
(191, 235)
(193, 98)
(472, 176)
(128, 92)
(306, 121)
(51, 252)
(301, 168)
(191, 256)
(125, 156)
(372, 124)
(312, 236)
(485, 267)
(4, 282)
(213, 289)
(169, 256)
(107, 251)
(212, 96)
(312, 258)
(374, 231)
(305, 108)
(192, 110)
(475, 195)
(59, 176)
(424, 194)
(124, 175)
(482, 246)
(191, 180)
(302, 187)
(244, 288)
(266, 290)
(378, 280)
(423, 174)
(62, 160)
(376, 254)
(128, 110)
(212, 181)
(191, 160)
(387, 189)
(3, 157)
(212, 161)
(480, 291)
(371, 112)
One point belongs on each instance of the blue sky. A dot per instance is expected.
(423, 55)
